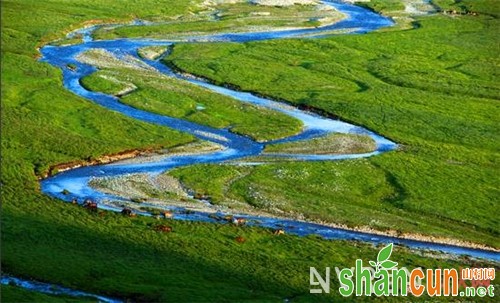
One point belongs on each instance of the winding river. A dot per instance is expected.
(76, 181)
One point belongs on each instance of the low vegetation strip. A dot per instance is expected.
(329, 144)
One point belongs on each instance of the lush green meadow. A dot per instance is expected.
(384, 6)
(151, 91)
(445, 170)
(434, 90)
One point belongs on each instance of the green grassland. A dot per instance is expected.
(434, 90)
(235, 17)
(383, 6)
(176, 98)
(43, 124)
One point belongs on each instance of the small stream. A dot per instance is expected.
(52, 289)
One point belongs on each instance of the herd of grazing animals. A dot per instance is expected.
(455, 12)
(92, 206)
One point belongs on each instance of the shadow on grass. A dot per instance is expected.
(138, 264)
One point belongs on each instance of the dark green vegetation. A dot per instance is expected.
(236, 17)
(43, 124)
(434, 90)
(20, 295)
(176, 98)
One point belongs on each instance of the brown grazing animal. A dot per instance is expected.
(279, 232)
(239, 221)
(167, 214)
(163, 228)
(90, 205)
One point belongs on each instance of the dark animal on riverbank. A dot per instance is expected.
(163, 228)
(90, 205)
(127, 212)
(74, 201)
(199, 196)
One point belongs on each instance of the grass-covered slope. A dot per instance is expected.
(433, 89)
(122, 257)
(42, 123)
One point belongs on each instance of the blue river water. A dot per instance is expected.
(52, 289)
(76, 181)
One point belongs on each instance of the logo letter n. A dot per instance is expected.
(315, 279)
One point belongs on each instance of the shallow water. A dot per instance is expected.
(52, 289)
(76, 181)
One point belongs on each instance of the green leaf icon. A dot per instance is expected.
(389, 264)
(384, 253)
(373, 264)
